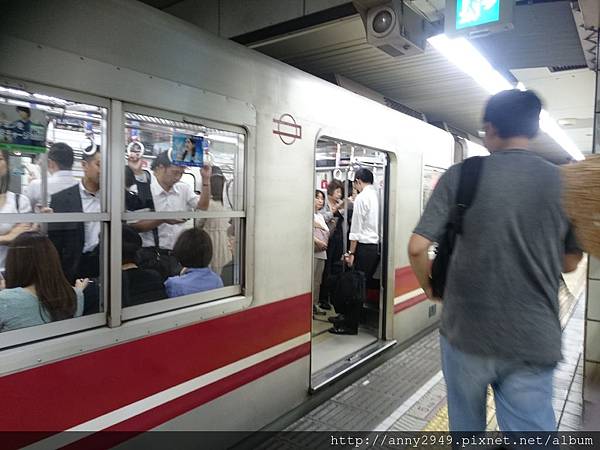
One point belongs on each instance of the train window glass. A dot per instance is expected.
(154, 143)
(51, 214)
(31, 124)
(50, 251)
(184, 211)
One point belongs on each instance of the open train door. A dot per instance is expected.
(333, 354)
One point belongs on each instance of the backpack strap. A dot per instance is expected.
(467, 188)
(145, 194)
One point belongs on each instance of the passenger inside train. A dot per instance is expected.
(321, 239)
(65, 175)
(193, 250)
(139, 285)
(10, 202)
(60, 175)
(36, 290)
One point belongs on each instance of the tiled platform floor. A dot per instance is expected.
(408, 392)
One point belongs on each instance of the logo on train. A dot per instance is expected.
(287, 129)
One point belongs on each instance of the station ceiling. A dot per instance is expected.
(544, 51)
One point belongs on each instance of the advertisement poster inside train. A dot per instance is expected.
(187, 150)
(431, 175)
(22, 129)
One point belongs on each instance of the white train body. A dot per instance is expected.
(240, 362)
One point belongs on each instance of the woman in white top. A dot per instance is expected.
(217, 227)
(10, 203)
(320, 237)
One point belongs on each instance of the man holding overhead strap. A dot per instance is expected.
(364, 244)
(500, 323)
(168, 194)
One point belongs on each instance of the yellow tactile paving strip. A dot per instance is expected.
(569, 292)
(439, 422)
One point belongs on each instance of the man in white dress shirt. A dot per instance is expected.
(364, 242)
(60, 164)
(169, 194)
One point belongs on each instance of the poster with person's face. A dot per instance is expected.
(22, 129)
(187, 150)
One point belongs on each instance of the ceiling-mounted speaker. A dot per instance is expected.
(396, 29)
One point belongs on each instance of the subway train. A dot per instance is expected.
(115, 72)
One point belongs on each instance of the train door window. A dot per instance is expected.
(184, 211)
(347, 322)
(52, 214)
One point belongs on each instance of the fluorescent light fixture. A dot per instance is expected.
(462, 54)
(552, 129)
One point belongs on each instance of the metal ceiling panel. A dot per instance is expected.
(544, 35)
(426, 83)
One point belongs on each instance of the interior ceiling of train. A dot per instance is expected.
(551, 49)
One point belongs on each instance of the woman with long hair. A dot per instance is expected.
(217, 227)
(10, 203)
(37, 290)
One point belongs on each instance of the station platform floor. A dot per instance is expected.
(408, 393)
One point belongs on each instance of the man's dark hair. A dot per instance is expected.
(62, 155)
(90, 152)
(514, 113)
(193, 248)
(132, 243)
(24, 109)
(364, 175)
(161, 160)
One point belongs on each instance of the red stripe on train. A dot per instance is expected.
(161, 414)
(60, 395)
(408, 303)
(405, 281)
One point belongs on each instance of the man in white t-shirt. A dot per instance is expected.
(364, 243)
(60, 164)
(169, 194)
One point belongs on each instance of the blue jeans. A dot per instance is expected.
(522, 392)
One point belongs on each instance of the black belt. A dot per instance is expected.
(162, 251)
(360, 243)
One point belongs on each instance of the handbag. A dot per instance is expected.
(467, 187)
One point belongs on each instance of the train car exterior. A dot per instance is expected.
(190, 366)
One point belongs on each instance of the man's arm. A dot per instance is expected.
(571, 261)
(573, 252)
(418, 254)
(355, 228)
(204, 200)
(146, 225)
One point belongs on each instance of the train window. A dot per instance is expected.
(52, 215)
(184, 208)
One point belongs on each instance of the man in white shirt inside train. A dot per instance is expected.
(364, 242)
(168, 194)
(60, 165)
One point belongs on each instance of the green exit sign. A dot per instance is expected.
(470, 13)
(475, 18)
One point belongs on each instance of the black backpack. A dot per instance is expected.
(467, 187)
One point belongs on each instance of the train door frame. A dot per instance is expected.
(330, 373)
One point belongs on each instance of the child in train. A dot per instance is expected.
(193, 249)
